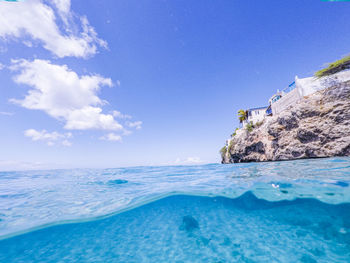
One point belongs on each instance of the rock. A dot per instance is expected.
(189, 223)
(289, 123)
(305, 136)
(316, 126)
(255, 147)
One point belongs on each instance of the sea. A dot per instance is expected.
(292, 211)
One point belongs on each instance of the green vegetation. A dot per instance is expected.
(242, 115)
(334, 67)
(259, 123)
(250, 126)
(223, 151)
(234, 134)
(230, 146)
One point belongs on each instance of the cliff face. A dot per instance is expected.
(316, 126)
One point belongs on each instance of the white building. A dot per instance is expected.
(292, 94)
(255, 115)
(304, 87)
(283, 99)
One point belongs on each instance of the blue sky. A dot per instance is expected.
(124, 83)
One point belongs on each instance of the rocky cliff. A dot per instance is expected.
(316, 126)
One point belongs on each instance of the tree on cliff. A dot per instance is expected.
(242, 115)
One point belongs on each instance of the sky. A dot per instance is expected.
(113, 83)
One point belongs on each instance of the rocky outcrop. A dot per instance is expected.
(316, 126)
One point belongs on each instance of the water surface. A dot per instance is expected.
(296, 211)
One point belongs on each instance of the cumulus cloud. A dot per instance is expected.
(120, 115)
(39, 20)
(64, 95)
(51, 138)
(112, 137)
(136, 124)
(63, 7)
(189, 160)
(66, 143)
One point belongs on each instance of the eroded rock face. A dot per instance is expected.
(316, 126)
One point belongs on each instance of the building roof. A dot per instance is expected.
(259, 108)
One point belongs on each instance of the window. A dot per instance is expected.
(276, 98)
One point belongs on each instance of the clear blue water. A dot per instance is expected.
(296, 211)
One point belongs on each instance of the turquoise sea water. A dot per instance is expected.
(297, 211)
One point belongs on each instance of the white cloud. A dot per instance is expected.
(2, 66)
(18, 165)
(189, 160)
(64, 95)
(63, 7)
(27, 43)
(6, 113)
(91, 118)
(11, 165)
(136, 124)
(111, 137)
(49, 137)
(38, 20)
(193, 160)
(66, 143)
(120, 115)
(127, 132)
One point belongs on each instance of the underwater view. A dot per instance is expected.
(294, 211)
(174, 131)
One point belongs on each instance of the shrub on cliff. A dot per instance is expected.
(230, 145)
(335, 67)
(259, 123)
(235, 133)
(223, 151)
(249, 127)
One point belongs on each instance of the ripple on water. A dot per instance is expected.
(196, 229)
(31, 199)
(116, 182)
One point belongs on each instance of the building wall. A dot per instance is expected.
(310, 85)
(256, 116)
(305, 87)
(286, 101)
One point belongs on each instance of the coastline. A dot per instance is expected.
(317, 126)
